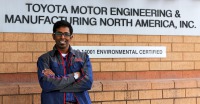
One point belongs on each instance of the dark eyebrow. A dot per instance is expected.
(62, 32)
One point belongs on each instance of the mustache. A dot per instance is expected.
(62, 41)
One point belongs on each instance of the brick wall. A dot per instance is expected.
(170, 91)
(19, 53)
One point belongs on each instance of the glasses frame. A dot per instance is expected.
(59, 34)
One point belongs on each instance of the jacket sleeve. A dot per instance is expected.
(85, 82)
(51, 83)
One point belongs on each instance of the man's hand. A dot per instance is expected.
(78, 73)
(48, 72)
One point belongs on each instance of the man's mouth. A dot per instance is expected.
(62, 42)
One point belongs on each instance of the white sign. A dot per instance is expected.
(149, 17)
(123, 51)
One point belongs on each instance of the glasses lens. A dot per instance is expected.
(60, 34)
(67, 34)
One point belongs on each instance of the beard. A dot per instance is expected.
(62, 44)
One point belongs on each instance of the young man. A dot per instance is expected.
(64, 74)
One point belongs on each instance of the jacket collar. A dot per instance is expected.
(56, 51)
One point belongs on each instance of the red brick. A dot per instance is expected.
(185, 101)
(17, 57)
(114, 85)
(43, 37)
(36, 99)
(96, 102)
(114, 102)
(194, 92)
(191, 74)
(198, 100)
(124, 59)
(182, 65)
(173, 39)
(1, 57)
(102, 75)
(198, 82)
(185, 83)
(100, 38)
(32, 46)
(162, 101)
(1, 99)
(173, 93)
(33, 77)
(125, 38)
(173, 57)
(112, 44)
(197, 65)
(1, 39)
(29, 88)
(170, 74)
(18, 37)
(7, 89)
(139, 102)
(104, 96)
(85, 44)
(101, 59)
(8, 67)
(124, 75)
(137, 66)
(162, 84)
(27, 67)
(182, 47)
(120, 95)
(139, 85)
(148, 59)
(91, 94)
(160, 66)
(8, 46)
(148, 38)
(18, 77)
(113, 66)
(190, 56)
(148, 75)
(137, 44)
(79, 38)
(36, 55)
(50, 45)
(95, 66)
(120, 75)
(132, 95)
(97, 86)
(191, 39)
(150, 94)
(17, 99)
(197, 47)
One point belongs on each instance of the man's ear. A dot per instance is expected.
(53, 36)
(71, 36)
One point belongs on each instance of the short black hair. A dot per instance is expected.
(62, 23)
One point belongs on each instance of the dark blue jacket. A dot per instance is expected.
(54, 88)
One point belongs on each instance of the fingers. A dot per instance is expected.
(78, 73)
(48, 72)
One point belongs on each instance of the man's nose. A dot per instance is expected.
(62, 36)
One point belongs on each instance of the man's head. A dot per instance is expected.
(62, 34)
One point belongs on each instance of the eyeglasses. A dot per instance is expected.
(59, 34)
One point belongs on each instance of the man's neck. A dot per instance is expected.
(65, 51)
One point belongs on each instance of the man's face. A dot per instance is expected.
(62, 37)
